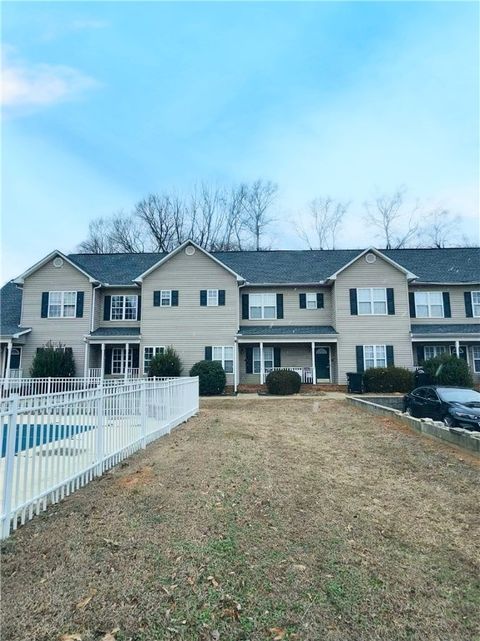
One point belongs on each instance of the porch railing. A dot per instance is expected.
(305, 373)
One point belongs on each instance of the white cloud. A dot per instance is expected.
(36, 85)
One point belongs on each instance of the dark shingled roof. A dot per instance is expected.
(10, 309)
(446, 329)
(116, 331)
(451, 265)
(285, 330)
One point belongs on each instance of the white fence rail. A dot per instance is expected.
(53, 444)
(305, 373)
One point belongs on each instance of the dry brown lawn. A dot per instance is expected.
(260, 519)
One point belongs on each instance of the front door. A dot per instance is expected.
(322, 363)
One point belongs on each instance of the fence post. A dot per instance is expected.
(9, 466)
(100, 432)
(143, 413)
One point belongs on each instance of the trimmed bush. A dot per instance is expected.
(448, 370)
(53, 360)
(283, 382)
(167, 363)
(211, 377)
(388, 379)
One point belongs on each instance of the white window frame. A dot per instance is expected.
(476, 358)
(219, 354)
(116, 360)
(156, 349)
(311, 300)
(437, 350)
(377, 358)
(62, 304)
(268, 357)
(260, 303)
(429, 305)
(166, 294)
(373, 297)
(212, 297)
(475, 304)
(123, 307)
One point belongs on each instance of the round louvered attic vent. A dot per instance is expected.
(190, 250)
(370, 258)
(57, 262)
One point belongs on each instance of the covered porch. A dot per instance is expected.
(11, 349)
(113, 353)
(309, 351)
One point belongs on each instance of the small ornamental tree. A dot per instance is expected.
(448, 369)
(167, 363)
(53, 360)
(388, 379)
(211, 377)
(283, 382)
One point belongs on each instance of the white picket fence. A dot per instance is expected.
(53, 444)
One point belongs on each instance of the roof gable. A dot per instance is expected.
(21, 279)
(376, 252)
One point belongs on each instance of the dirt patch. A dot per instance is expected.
(308, 520)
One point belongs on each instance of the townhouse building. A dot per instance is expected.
(323, 313)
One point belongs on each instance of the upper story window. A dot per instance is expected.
(62, 304)
(263, 306)
(429, 305)
(372, 301)
(212, 297)
(311, 300)
(124, 307)
(476, 304)
(165, 298)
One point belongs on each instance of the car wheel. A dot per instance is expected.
(449, 421)
(408, 410)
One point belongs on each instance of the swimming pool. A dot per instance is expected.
(28, 436)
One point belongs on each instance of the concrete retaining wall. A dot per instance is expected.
(456, 435)
(395, 402)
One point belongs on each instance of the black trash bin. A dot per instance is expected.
(355, 382)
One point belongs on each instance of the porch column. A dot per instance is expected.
(457, 348)
(262, 366)
(314, 373)
(127, 347)
(85, 361)
(102, 361)
(9, 358)
(236, 361)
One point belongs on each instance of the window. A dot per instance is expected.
(476, 304)
(267, 359)
(311, 300)
(118, 360)
(124, 308)
(148, 354)
(224, 355)
(166, 298)
(374, 356)
(62, 304)
(476, 359)
(212, 297)
(432, 351)
(372, 300)
(263, 306)
(429, 304)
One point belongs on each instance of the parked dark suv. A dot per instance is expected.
(455, 406)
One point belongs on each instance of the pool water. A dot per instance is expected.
(28, 436)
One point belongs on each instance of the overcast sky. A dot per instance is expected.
(106, 102)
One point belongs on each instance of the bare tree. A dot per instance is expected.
(326, 217)
(260, 198)
(441, 229)
(395, 223)
(99, 239)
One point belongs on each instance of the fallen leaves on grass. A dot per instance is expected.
(279, 633)
(71, 637)
(213, 581)
(111, 636)
(81, 605)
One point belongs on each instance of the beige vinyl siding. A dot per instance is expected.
(68, 331)
(457, 304)
(189, 327)
(121, 291)
(292, 314)
(371, 330)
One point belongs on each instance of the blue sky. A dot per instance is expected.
(106, 102)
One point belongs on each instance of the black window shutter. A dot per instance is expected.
(320, 302)
(245, 306)
(353, 302)
(44, 308)
(106, 308)
(139, 312)
(420, 354)
(208, 353)
(390, 361)
(221, 297)
(249, 358)
(447, 312)
(303, 301)
(468, 304)
(360, 365)
(279, 305)
(203, 298)
(80, 297)
(411, 302)
(156, 299)
(108, 360)
(390, 301)
(277, 358)
(174, 297)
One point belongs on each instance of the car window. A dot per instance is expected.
(459, 395)
(419, 392)
(431, 395)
